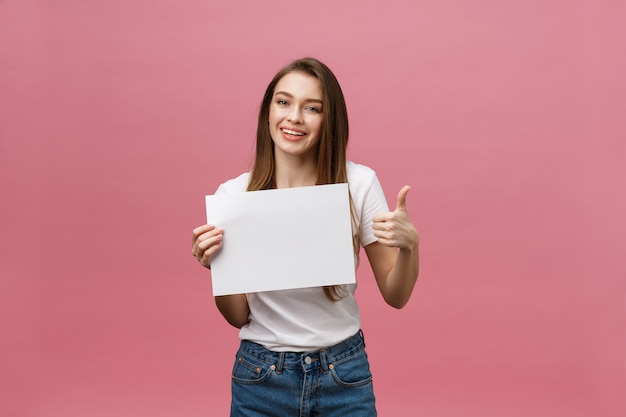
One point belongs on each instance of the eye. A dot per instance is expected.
(313, 109)
(282, 102)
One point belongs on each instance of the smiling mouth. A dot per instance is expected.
(292, 132)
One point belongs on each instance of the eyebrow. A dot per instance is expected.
(284, 93)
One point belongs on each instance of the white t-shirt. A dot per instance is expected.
(304, 320)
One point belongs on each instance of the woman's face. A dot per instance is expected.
(296, 115)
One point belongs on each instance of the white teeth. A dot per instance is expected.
(293, 132)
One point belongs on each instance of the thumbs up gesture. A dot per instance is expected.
(395, 228)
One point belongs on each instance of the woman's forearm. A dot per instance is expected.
(402, 278)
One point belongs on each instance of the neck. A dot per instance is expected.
(295, 172)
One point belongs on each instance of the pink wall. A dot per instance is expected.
(507, 118)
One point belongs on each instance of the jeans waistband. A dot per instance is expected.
(324, 357)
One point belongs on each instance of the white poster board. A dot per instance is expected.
(282, 239)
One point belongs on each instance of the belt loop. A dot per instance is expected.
(323, 360)
(362, 336)
(281, 361)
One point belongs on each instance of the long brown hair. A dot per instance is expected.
(331, 152)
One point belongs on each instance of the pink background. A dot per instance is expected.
(507, 118)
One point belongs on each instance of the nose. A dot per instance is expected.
(295, 115)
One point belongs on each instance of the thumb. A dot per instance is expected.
(401, 202)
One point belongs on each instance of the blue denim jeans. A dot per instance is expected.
(333, 382)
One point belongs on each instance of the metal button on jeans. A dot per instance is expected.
(307, 360)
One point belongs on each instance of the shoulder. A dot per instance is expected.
(359, 174)
(234, 185)
(364, 183)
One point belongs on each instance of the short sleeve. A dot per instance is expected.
(368, 198)
(374, 202)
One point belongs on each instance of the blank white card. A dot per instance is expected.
(282, 239)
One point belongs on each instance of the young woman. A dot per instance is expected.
(302, 351)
